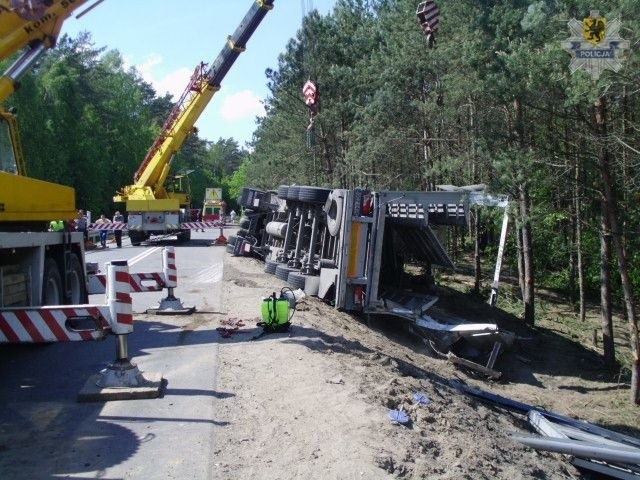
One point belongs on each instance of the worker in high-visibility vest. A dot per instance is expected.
(56, 226)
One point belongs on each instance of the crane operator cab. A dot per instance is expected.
(8, 160)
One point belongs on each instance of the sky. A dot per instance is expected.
(165, 40)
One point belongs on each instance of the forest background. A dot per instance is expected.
(493, 103)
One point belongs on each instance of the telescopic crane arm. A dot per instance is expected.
(32, 26)
(149, 179)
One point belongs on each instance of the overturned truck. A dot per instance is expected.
(352, 248)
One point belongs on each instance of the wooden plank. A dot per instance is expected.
(14, 288)
(494, 354)
(13, 278)
(474, 366)
(15, 299)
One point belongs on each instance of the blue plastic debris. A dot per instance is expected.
(399, 416)
(421, 398)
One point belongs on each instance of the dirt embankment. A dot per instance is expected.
(314, 402)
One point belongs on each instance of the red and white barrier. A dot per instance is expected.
(183, 226)
(119, 298)
(73, 322)
(168, 279)
(201, 225)
(108, 226)
(171, 305)
(169, 267)
(98, 283)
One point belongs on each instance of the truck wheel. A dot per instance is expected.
(136, 238)
(75, 282)
(283, 191)
(292, 192)
(334, 213)
(51, 283)
(283, 271)
(270, 266)
(313, 194)
(184, 236)
(297, 280)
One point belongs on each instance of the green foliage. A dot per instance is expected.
(88, 123)
(493, 103)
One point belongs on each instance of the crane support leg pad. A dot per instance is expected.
(91, 392)
(171, 311)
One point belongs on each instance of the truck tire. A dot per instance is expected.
(313, 194)
(184, 236)
(297, 280)
(75, 282)
(270, 266)
(136, 238)
(283, 190)
(244, 223)
(51, 283)
(283, 271)
(292, 192)
(333, 208)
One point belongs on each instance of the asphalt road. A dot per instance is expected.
(46, 434)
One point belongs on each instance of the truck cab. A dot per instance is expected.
(213, 210)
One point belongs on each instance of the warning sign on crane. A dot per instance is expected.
(213, 194)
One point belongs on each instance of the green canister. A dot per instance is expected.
(275, 311)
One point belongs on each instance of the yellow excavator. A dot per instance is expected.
(153, 208)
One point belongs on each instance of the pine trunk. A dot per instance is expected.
(528, 297)
(627, 289)
(477, 271)
(606, 315)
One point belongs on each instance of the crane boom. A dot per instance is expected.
(150, 178)
(33, 25)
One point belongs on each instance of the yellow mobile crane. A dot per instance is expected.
(37, 267)
(30, 26)
(152, 208)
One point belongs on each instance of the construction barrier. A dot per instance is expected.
(168, 279)
(111, 226)
(73, 322)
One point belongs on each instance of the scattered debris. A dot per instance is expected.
(590, 446)
(421, 399)
(453, 358)
(337, 380)
(399, 416)
(232, 326)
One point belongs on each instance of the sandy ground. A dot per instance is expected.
(314, 403)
